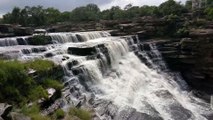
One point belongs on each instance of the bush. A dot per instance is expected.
(17, 87)
(40, 40)
(209, 13)
(80, 113)
(182, 32)
(40, 65)
(59, 114)
(34, 112)
(37, 93)
(15, 84)
(34, 109)
(49, 83)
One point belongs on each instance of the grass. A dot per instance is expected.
(80, 113)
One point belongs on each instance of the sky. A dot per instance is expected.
(67, 5)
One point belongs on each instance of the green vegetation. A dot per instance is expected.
(17, 87)
(59, 114)
(40, 40)
(38, 16)
(80, 113)
(34, 112)
(209, 13)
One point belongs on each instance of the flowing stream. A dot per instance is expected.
(113, 76)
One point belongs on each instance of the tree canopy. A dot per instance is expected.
(39, 16)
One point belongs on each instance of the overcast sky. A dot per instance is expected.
(67, 5)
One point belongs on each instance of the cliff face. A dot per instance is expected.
(192, 57)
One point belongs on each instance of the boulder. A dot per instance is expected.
(84, 51)
(5, 109)
(23, 31)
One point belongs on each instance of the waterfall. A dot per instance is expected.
(116, 77)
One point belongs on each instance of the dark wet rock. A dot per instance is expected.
(177, 111)
(132, 114)
(23, 31)
(5, 109)
(21, 41)
(47, 55)
(6, 28)
(82, 51)
(145, 47)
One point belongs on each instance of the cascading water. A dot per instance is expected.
(112, 76)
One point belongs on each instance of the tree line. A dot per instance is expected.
(39, 16)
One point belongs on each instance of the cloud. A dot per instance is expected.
(67, 5)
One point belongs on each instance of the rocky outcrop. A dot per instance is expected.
(7, 30)
(193, 57)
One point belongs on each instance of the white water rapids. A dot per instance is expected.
(114, 73)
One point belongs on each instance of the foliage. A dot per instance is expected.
(38, 92)
(209, 13)
(39, 16)
(182, 32)
(80, 113)
(32, 16)
(49, 83)
(149, 11)
(85, 13)
(59, 114)
(40, 40)
(33, 112)
(17, 87)
(172, 25)
(171, 7)
(188, 4)
(40, 65)
(14, 82)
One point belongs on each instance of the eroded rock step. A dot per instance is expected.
(170, 108)
(132, 114)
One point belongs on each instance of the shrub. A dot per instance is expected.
(80, 113)
(34, 112)
(40, 40)
(40, 65)
(49, 83)
(15, 84)
(59, 114)
(209, 13)
(17, 87)
(34, 109)
(37, 93)
(182, 32)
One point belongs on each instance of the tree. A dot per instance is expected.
(128, 7)
(148, 10)
(171, 7)
(188, 4)
(114, 13)
(38, 16)
(209, 3)
(16, 15)
(209, 13)
(52, 15)
(132, 12)
(85, 13)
